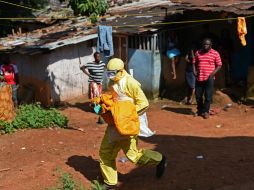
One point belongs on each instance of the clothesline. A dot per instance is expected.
(17, 5)
(142, 25)
(183, 22)
(126, 15)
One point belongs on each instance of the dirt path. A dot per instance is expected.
(225, 141)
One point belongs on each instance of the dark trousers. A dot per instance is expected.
(204, 88)
(14, 94)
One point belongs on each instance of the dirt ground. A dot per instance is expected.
(213, 154)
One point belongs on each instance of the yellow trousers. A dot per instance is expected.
(109, 151)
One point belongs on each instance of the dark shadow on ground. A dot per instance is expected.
(227, 164)
(173, 94)
(238, 95)
(87, 166)
(84, 106)
(249, 102)
(184, 111)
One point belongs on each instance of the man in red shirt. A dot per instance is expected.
(10, 73)
(206, 64)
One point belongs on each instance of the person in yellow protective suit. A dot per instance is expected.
(124, 87)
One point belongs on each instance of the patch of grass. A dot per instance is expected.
(66, 182)
(95, 185)
(34, 116)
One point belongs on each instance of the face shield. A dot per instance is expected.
(111, 74)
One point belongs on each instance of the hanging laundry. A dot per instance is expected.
(105, 40)
(242, 29)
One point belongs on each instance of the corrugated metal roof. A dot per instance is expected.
(126, 20)
(139, 5)
(163, 13)
(209, 2)
(239, 7)
(79, 30)
(48, 38)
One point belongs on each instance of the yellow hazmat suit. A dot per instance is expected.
(124, 87)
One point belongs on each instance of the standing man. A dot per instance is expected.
(11, 77)
(125, 87)
(95, 71)
(206, 64)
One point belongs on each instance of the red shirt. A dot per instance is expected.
(206, 63)
(9, 72)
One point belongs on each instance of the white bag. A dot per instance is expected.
(144, 130)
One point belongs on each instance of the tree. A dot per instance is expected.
(91, 8)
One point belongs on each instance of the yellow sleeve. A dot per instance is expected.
(133, 90)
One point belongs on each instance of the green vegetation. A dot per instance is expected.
(95, 185)
(34, 116)
(66, 182)
(91, 8)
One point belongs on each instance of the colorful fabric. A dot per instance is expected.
(9, 72)
(96, 71)
(242, 29)
(95, 90)
(7, 111)
(206, 63)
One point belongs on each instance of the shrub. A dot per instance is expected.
(91, 8)
(34, 116)
(66, 182)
